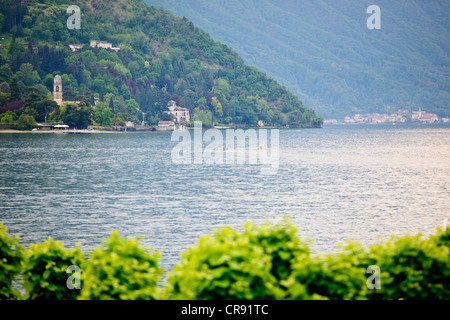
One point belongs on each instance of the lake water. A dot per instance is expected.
(336, 183)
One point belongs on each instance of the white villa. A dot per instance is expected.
(181, 114)
(75, 47)
(103, 44)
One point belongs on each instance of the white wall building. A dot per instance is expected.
(104, 45)
(180, 114)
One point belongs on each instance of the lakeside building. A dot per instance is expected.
(49, 127)
(401, 116)
(421, 116)
(376, 118)
(180, 114)
(45, 126)
(165, 126)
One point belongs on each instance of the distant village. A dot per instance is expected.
(401, 116)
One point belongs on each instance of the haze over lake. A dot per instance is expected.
(336, 183)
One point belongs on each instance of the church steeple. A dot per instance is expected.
(57, 90)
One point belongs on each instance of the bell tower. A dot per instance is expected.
(57, 90)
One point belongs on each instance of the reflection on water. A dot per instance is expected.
(339, 182)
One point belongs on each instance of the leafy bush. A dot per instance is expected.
(45, 271)
(339, 276)
(413, 267)
(8, 117)
(230, 265)
(262, 262)
(121, 270)
(280, 242)
(26, 122)
(10, 263)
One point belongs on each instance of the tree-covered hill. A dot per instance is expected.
(324, 53)
(161, 58)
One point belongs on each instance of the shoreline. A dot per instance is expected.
(54, 131)
(86, 131)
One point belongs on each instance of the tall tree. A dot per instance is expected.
(111, 104)
(15, 91)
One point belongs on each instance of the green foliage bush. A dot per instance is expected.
(340, 276)
(261, 262)
(230, 265)
(26, 122)
(45, 271)
(413, 267)
(10, 264)
(121, 270)
(8, 117)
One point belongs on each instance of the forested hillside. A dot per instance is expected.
(324, 53)
(161, 58)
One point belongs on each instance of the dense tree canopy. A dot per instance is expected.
(161, 58)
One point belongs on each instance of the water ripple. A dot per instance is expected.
(357, 182)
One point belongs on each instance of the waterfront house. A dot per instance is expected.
(165, 126)
(45, 126)
(181, 114)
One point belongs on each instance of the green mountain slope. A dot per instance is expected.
(323, 52)
(161, 58)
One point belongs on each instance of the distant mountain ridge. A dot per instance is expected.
(324, 53)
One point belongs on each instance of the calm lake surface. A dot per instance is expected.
(336, 183)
